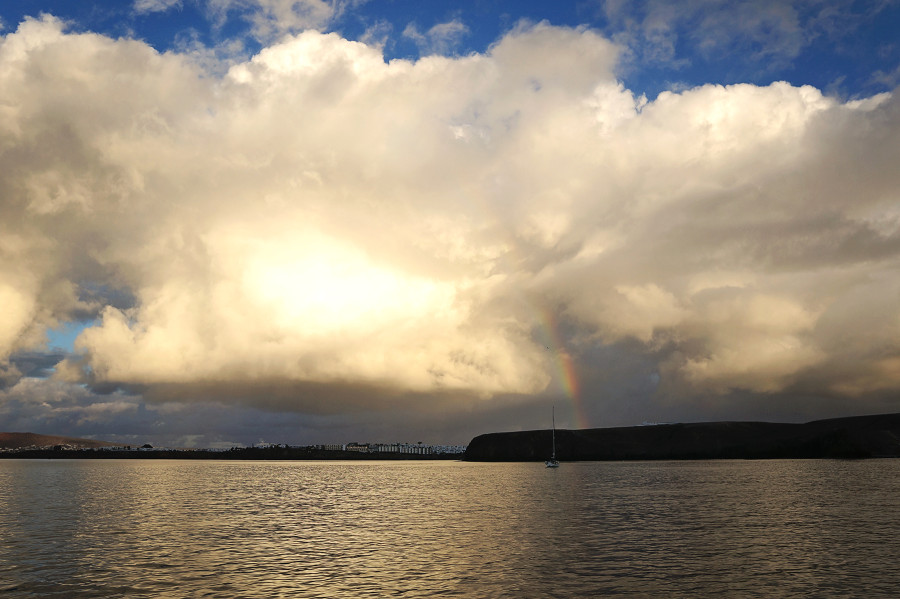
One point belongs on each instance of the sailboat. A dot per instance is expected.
(553, 462)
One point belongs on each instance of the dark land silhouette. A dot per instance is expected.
(857, 437)
(32, 445)
(854, 437)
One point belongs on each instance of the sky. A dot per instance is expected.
(231, 221)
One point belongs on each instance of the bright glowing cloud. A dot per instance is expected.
(320, 215)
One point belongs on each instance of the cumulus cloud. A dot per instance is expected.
(320, 230)
(271, 19)
(766, 35)
(40, 404)
(439, 39)
(54, 407)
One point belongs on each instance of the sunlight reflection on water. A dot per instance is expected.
(412, 529)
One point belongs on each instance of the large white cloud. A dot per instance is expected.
(319, 216)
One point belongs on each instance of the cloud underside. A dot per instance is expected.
(319, 219)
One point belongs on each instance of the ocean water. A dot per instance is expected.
(146, 528)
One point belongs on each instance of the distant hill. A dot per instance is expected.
(21, 440)
(856, 437)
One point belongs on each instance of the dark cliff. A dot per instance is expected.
(856, 437)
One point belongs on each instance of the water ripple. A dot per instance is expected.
(448, 529)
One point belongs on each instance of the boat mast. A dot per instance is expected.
(553, 433)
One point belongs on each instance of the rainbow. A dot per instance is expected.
(564, 367)
(565, 373)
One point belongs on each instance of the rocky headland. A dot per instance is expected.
(854, 437)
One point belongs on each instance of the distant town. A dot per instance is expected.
(408, 448)
(39, 446)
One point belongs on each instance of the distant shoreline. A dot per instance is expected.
(238, 453)
(860, 437)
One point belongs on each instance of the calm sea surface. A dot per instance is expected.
(449, 529)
